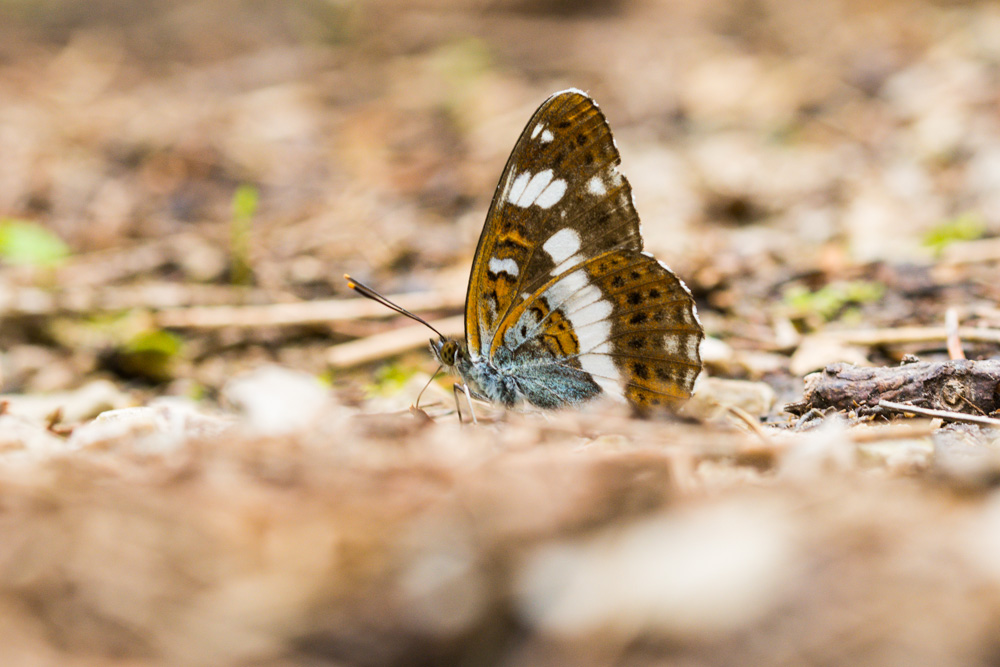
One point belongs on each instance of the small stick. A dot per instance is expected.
(902, 335)
(947, 415)
(751, 422)
(298, 313)
(861, 435)
(954, 340)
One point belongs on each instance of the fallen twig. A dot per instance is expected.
(36, 302)
(100, 267)
(903, 335)
(947, 415)
(751, 422)
(954, 339)
(865, 434)
(172, 305)
(301, 312)
(939, 385)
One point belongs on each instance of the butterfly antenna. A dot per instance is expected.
(368, 292)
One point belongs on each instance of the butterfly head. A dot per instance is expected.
(448, 351)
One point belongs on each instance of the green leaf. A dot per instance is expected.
(965, 227)
(24, 242)
(150, 355)
(245, 201)
(155, 341)
(390, 378)
(829, 301)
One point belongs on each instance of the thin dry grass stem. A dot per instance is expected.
(37, 301)
(752, 423)
(172, 304)
(299, 313)
(946, 415)
(904, 335)
(954, 339)
(987, 315)
(389, 343)
(869, 434)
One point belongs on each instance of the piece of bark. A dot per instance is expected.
(959, 385)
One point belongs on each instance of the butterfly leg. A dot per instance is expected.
(464, 388)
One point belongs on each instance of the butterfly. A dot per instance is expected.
(563, 305)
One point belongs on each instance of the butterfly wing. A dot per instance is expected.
(544, 195)
(560, 293)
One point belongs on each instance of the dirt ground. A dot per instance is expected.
(208, 454)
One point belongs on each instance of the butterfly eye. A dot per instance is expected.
(449, 353)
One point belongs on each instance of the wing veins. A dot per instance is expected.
(626, 355)
(629, 332)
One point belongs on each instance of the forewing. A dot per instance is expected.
(560, 200)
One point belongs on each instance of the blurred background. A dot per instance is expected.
(183, 185)
(797, 163)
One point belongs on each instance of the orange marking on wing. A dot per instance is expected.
(559, 338)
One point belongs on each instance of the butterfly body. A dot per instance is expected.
(530, 374)
(563, 305)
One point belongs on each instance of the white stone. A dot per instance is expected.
(671, 574)
(164, 425)
(278, 400)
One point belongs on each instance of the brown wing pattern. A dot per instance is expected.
(654, 333)
(560, 175)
